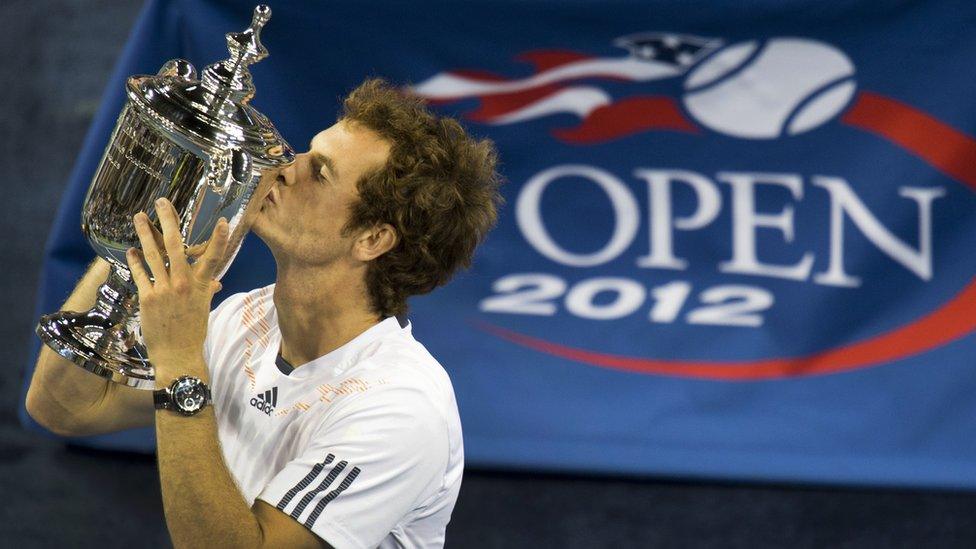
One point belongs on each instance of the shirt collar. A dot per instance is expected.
(336, 358)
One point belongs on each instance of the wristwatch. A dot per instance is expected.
(187, 395)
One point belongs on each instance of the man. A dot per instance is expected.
(330, 424)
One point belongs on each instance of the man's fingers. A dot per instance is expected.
(139, 274)
(210, 261)
(149, 249)
(158, 237)
(172, 238)
(197, 250)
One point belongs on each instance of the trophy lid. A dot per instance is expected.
(214, 112)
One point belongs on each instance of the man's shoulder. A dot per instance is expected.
(403, 359)
(400, 370)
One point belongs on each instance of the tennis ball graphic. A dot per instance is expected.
(785, 87)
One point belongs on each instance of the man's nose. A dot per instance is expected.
(286, 176)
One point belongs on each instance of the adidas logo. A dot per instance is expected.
(266, 401)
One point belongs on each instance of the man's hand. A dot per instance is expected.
(175, 308)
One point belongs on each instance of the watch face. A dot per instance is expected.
(189, 395)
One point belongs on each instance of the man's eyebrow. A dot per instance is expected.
(328, 162)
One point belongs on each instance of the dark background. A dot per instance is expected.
(55, 57)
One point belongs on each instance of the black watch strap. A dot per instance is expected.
(187, 395)
(162, 399)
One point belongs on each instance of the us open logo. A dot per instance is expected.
(776, 219)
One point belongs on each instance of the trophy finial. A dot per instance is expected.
(262, 12)
(247, 45)
(230, 80)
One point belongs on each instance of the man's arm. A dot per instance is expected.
(71, 401)
(203, 506)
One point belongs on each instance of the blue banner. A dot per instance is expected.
(738, 238)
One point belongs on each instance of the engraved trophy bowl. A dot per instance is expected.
(198, 143)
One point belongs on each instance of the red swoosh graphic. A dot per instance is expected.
(544, 60)
(494, 106)
(627, 117)
(941, 146)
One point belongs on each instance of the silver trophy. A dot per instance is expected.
(199, 144)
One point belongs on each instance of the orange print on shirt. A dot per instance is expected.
(253, 321)
(330, 392)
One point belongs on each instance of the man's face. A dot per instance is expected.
(302, 216)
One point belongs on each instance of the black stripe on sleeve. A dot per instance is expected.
(302, 484)
(310, 495)
(331, 496)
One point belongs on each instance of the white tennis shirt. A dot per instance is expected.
(362, 445)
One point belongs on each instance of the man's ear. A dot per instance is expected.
(375, 241)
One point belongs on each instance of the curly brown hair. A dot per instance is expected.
(439, 190)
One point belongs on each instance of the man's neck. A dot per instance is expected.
(319, 310)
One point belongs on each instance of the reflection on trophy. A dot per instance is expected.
(199, 144)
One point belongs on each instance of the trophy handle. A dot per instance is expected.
(241, 166)
(178, 68)
(230, 171)
(105, 340)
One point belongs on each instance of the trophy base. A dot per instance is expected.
(86, 340)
